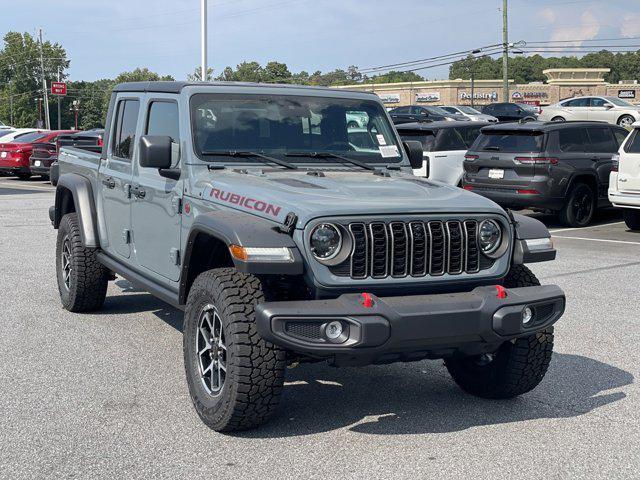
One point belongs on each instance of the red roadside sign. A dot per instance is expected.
(58, 88)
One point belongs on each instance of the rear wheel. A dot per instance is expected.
(235, 377)
(580, 206)
(558, 119)
(632, 218)
(517, 367)
(626, 120)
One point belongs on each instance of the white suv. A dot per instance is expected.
(624, 182)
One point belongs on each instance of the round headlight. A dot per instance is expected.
(326, 241)
(490, 236)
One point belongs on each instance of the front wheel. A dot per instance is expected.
(626, 121)
(517, 367)
(558, 119)
(631, 218)
(235, 377)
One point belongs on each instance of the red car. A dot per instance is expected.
(14, 155)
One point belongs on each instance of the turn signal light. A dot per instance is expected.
(615, 161)
(471, 157)
(528, 192)
(468, 187)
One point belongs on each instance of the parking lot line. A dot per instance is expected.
(583, 228)
(597, 239)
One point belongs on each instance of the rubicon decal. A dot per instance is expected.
(242, 201)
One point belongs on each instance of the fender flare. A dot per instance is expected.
(527, 228)
(581, 173)
(245, 230)
(82, 193)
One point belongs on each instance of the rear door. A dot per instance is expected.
(603, 146)
(629, 168)
(115, 175)
(448, 155)
(577, 109)
(156, 201)
(505, 158)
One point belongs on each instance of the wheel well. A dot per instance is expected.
(588, 179)
(64, 204)
(206, 252)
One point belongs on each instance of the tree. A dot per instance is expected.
(395, 76)
(196, 76)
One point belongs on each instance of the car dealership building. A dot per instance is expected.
(561, 83)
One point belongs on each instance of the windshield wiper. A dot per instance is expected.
(331, 155)
(237, 153)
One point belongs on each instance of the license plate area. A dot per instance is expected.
(496, 173)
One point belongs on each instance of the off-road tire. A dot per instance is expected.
(568, 214)
(517, 367)
(631, 218)
(88, 279)
(255, 368)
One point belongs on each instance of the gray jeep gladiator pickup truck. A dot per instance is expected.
(284, 241)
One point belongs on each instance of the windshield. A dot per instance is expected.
(278, 125)
(619, 103)
(29, 137)
(469, 110)
(509, 142)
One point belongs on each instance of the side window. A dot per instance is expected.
(469, 135)
(125, 133)
(601, 140)
(633, 144)
(401, 110)
(620, 135)
(578, 102)
(418, 111)
(572, 140)
(163, 120)
(598, 102)
(450, 139)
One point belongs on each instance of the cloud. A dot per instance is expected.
(547, 15)
(630, 26)
(573, 35)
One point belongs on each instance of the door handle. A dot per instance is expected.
(109, 183)
(138, 192)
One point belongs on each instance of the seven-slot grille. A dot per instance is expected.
(412, 249)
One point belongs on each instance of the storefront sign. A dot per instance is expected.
(389, 97)
(428, 97)
(479, 96)
(626, 94)
(528, 95)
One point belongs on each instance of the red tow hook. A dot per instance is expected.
(367, 300)
(502, 292)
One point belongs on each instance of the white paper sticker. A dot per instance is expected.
(388, 151)
(381, 140)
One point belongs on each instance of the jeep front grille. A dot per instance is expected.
(412, 249)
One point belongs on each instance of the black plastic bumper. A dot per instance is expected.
(406, 328)
(14, 170)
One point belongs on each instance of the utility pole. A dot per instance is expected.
(39, 102)
(47, 121)
(505, 53)
(473, 75)
(11, 102)
(59, 122)
(203, 40)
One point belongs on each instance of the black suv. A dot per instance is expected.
(511, 112)
(550, 166)
(417, 113)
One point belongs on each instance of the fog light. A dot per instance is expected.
(527, 315)
(333, 330)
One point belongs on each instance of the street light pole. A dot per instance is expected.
(473, 75)
(203, 40)
(505, 53)
(59, 118)
(47, 121)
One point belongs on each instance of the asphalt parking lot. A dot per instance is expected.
(103, 395)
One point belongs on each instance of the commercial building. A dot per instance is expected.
(561, 83)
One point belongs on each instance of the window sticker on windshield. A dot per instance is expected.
(381, 140)
(388, 151)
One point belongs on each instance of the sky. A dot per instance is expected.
(104, 38)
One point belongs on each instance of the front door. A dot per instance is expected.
(115, 176)
(601, 111)
(156, 208)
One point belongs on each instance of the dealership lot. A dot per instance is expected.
(104, 394)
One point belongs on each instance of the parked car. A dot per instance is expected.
(469, 112)
(419, 113)
(624, 182)
(444, 145)
(603, 109)
(45, 152)
(282, 243)
(7, 136)
(15, 155)
(90, 140)
(557, 167)
(511, 112)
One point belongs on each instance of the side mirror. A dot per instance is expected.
(155, 151)
(608, 106)
(414, 151)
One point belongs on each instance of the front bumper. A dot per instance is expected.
(411, 327)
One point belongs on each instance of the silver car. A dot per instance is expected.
(604, 109)
(470, 112)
